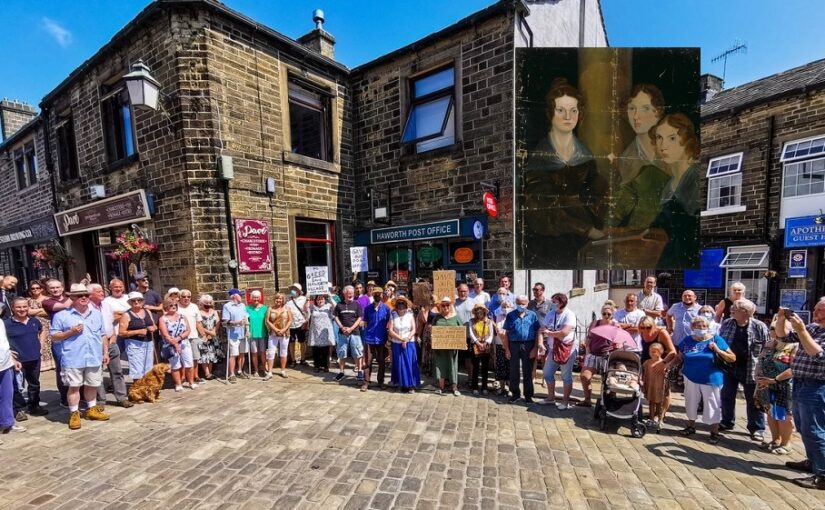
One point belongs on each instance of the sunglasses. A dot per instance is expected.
(81, 296)
(607, 315)
(645, 327)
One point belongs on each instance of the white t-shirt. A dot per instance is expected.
(191, 314)
(622, 316)
(108, 308)
(6, 361)
(555, 321)
(482, 298)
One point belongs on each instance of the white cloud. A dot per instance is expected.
(62, 36)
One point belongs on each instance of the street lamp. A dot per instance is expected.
(143, 88)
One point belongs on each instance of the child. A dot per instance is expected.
(654, 384)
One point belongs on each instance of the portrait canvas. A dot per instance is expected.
(607, 150)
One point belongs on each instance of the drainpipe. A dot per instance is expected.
(774, 247)
(47, 147)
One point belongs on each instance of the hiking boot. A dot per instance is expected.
(125, 404)
(74, 420)
(96, 414)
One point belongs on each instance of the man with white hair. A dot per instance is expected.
(97, 298)
(746, 337)
(521, 347)
(258, 334)
(190, 310)
(348, 315)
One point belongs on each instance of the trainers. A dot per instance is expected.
(513, 399)
(283, 374)
(456, 392)
(185, 384)
(178, 389)
(799, 465)
(244, 375)
(360, 375)
(200, 380)
(96, 414)
(723, 427)
(812, 482)
(268, 376)
(529, 400)
(339, 376)
(757, 436)
(194, 386)
(21, 416)
(561, 406)
(232, 379)
(74, 420)
(38, 411)
(18, 428)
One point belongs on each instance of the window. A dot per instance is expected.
(804, 178)
(25, 163)
(310, 121)
(725, 182)
(746, 257)
(117, 125)
(629, 278)
(578, 279)
(315, 246)
(431, 121)
(66, 151)
(602, 276)
(802, 149)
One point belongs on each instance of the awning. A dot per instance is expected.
(751, 257)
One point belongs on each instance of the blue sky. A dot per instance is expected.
(50, 38)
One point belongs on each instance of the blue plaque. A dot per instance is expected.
(709, 275)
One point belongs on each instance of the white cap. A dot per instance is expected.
(134, 295)
(173, 290)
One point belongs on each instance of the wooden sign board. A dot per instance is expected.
(449, 337)
(421, 294)
(444, 284)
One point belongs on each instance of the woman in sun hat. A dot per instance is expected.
(404, 370)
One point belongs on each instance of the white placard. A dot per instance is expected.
(317, 280)
(359, 259)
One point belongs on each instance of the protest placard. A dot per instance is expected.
(421, 294)
(317, 280)
(449, 337)
(444, 284)
(359, 259)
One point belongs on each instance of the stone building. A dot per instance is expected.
(250, 125)
(25, 192)
(433, 127)
(763, 163)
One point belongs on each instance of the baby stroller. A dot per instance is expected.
(621, 396)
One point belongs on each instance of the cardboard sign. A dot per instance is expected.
(317, 280)
(449, 337)
(359, 259)
(421, 294)
(444, 284)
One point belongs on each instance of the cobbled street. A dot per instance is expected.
(307, 442)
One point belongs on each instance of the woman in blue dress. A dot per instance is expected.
(405, 373)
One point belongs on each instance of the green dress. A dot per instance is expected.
(679, 217)
(639, 200)
(446, 360)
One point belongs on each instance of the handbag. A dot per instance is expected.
(725, 366)
(483, 349)
(562, 351)
(167, 352)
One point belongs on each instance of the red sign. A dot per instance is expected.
(490, 204)
(254, 249)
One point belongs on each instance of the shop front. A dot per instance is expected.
(21, 248)
(408, 253)
(99, 233)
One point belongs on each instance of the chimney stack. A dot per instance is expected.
(709, 86)
(14, 114)
(319, 40)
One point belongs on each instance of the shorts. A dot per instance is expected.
(77, 377)
(277, 344)
(353, 343)
(195, 343)
(257, 345)
(237, 347)
(594, 363)
(184, 358)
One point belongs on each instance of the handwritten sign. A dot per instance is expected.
(359, 259)
(254, 251)
(317, 280)
(449, 337)
(421, 294)
(444, 284)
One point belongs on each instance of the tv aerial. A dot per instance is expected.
(737, 47)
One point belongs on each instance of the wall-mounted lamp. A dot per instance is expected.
(142, 86)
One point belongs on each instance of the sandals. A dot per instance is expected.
(781, 450)
(689, 431)
(769, 445)
(714, 437)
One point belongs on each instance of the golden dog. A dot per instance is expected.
(147, 388)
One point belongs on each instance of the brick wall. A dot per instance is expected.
(23, 206)
(439, 183)
(13, 116)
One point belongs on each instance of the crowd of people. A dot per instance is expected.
(707, 352)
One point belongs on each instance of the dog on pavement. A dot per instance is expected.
(147, 388)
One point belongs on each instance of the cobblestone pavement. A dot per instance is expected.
(307, 442)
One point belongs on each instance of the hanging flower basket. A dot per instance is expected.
(133, 247)
(51, 256)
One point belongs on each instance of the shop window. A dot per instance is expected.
(315, 246)
(602, 276)
(431, 120)
(310, 121)
(578, 279)
(66, 151)
(399, 264)
(629, 278)
(465, 253)
(25, 163)
(118, 130)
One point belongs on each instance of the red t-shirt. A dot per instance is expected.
(48, 305)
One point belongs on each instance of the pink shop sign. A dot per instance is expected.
(254, 248)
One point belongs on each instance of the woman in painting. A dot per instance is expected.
(678, 146)
(643, 175)
(564, 195)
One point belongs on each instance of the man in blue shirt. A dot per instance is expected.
(521, 331)
(26, 336)
(679, 316)
(376, 317)
(78, 333)
(235, 320)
